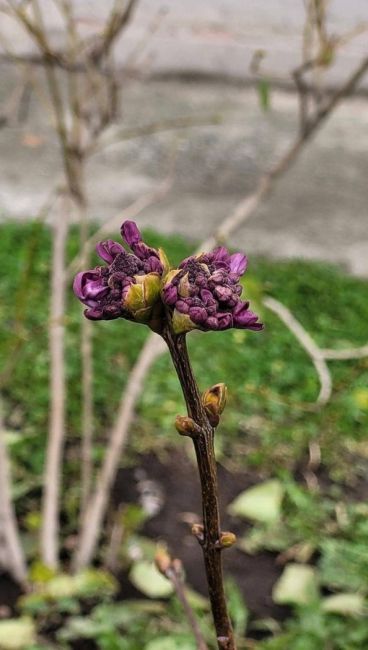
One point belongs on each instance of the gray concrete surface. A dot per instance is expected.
(215, 37)
(318, 211)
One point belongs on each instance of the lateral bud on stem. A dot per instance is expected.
(214, 402)
(162, 561)
(226, 540)
(186, 426)
(198, 532)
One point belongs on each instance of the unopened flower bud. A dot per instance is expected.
(204, 293)
(186, 426)
(226, 540)
(129, 284)
(214, 401)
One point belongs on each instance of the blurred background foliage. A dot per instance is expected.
(271, 420)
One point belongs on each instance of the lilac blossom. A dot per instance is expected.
(128, 286)
(205, 293)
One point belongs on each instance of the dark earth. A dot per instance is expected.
(176, 479)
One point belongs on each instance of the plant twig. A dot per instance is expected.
(53, 464)
(130, 212)
(318, 355)
(345, 353)
(173, 571)
(306, 341)
(96, 509)
(13, 552)
(203, 441)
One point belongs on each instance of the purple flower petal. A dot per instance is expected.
(182, 306)
(155, 265)
(207, 297)
(198, 315)
(130, 233)
(108, 250)
(223, 294)
(225, 320)
(212, 323)
(238, 263)
(95, 313)
(245, 318)
(88, 286)
(170, 294)
(221, 255)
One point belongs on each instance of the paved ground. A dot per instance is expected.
(318, 211)
(216, 37)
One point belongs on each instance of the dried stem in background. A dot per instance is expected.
(95, 512)
(91, 104)
(12, 557)
(54, 451)
(306, 341)
(172, 569)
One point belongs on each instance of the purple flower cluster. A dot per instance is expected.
(204, 293)
(128, 286)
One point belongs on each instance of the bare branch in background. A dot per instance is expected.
(13, 557)
(130, 212)
(118, 19)
(247, 206)
(318, 355)
(172, 569)
(345, 354)
(306, 341)
(96, 509)
(114, 136)
(80, 116)
(54, 452)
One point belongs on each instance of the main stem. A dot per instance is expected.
(204, 448)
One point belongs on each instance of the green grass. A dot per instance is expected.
(270, 417)
(268, 424)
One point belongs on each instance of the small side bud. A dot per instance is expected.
(162, 561)
(186, 426)
(214, 402)
(197, 531)
(226, 540)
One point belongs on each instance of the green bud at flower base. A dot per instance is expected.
(214, 402)
(142, 297)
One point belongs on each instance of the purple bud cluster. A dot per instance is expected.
(206, 290)
(104, 289)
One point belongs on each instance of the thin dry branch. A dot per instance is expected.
(53, 465)
(114, 136)
(118, 19)
(309, 345)
(96, 509)
(172, 569)
(130, 212)
(13, 557)
(345, 354)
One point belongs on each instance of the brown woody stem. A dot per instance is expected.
(204, 448)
